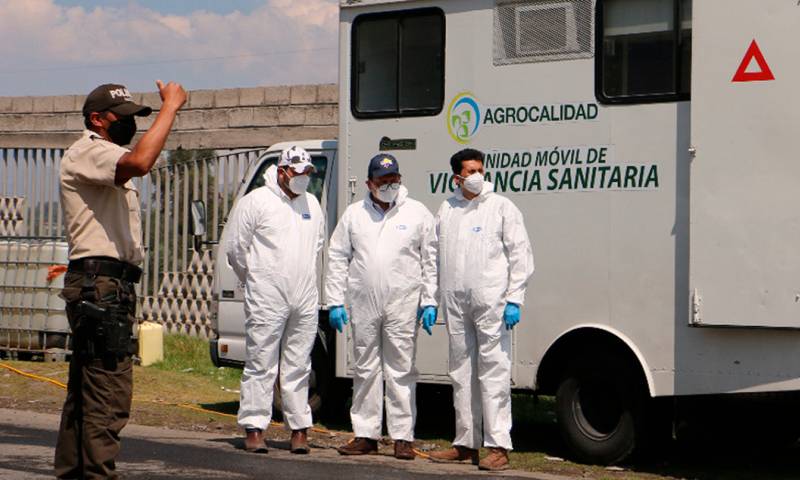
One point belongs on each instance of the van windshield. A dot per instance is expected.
(316, 185)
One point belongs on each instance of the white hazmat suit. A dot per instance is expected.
(485, 261)
(272, 244)
(383, 266)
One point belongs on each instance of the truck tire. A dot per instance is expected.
(600, 411)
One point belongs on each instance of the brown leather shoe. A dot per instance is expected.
(455, 454)
(404, 450)
(359, 446)
(300, 441)
(254, 442)
(496, 460)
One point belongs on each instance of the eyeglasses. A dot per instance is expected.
(385, 187)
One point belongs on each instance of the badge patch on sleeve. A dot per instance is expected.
(306, 216)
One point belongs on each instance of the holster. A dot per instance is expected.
(103, 323)
(108, 330)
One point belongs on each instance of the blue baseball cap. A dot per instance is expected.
(383, 164)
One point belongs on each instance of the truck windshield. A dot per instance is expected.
(317, 178)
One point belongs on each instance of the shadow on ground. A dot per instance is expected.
(229, 408)
(535, 431)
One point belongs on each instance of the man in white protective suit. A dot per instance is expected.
(382, 264)
(485, 261)
(275, 235)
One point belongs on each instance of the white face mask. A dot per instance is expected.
(387, 193)
(386, 196)
(299, 184)
(473, 183)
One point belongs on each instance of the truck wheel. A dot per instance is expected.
(599, 407)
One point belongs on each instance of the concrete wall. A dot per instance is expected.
(229, 118)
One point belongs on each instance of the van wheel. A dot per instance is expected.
(318, 381)
(600, 410)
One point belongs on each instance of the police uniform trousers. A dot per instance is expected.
(100, 385)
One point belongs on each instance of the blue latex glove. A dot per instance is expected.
(337, 317)
(511, 315)
(428, 318)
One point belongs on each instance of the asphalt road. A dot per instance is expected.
(27, 440)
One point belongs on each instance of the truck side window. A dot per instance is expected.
(316, 185)
(644, 50)
(398, 64)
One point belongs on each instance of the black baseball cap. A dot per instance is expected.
(382, 164)
(113, 97)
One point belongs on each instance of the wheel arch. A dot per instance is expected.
(582, 338)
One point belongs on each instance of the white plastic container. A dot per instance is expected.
(151, 343)
(55, 253)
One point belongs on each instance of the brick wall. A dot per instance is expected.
(229, 118)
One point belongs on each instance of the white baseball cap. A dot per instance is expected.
(297, 158)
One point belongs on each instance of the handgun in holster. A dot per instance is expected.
(110, 332)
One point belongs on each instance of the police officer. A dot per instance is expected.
(103, 223)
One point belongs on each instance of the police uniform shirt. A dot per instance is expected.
(101, 218)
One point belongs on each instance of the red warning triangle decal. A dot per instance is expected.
(753, 52)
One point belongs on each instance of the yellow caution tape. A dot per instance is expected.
(33, 376)
(421, 454)
(187, 406)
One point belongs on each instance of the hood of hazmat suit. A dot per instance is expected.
(485, 261)
(382, 265)
(272, 242)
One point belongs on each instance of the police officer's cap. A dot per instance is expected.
(115, 98)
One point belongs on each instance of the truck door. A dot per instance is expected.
(745, 174)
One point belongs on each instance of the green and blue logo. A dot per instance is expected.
(463, 117)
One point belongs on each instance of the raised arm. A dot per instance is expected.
(139, 161)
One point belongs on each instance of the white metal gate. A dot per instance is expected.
(177, 281)
(176, 286)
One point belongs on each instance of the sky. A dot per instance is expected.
(56, 47)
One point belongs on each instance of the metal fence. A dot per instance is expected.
(176, 284)
(29, 204)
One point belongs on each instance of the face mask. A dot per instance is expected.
(473, 183)
(388, 195)
(121, 131)
(299, 184)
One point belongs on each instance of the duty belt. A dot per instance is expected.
(106, 267)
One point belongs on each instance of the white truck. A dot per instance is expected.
(664, 229)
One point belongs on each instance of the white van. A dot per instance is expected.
(664, 229)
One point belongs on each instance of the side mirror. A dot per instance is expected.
(197, 227)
